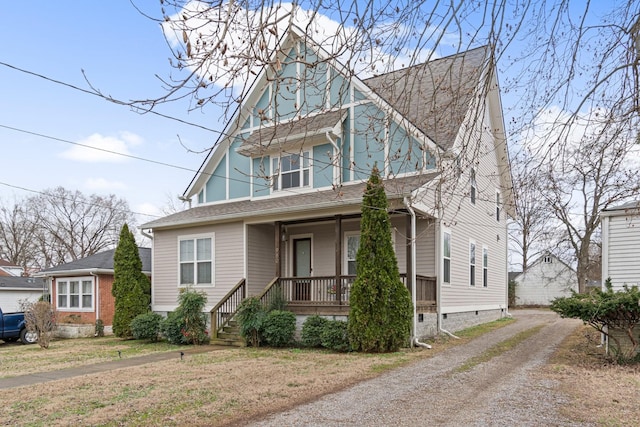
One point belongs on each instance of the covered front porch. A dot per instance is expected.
(310, 264)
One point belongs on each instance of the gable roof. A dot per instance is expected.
(21, 283)
(434, 96)
(101, 262)
(346, 196)
(629, 208)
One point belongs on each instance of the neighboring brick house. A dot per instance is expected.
(81, 289)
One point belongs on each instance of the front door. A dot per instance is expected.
(302, 268)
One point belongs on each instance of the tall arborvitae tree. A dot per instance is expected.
(381, 310)
(131, 288)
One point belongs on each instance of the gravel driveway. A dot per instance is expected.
(504, 391)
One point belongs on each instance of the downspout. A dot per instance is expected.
(414, 338)
(337, 179)
(97, 294)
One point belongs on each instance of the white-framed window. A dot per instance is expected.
(485, 267)
(498, 203)
(446, 256)
(547, 260)
(351, 245)
(473, 186)
(75, 294)
(195, 259)
(291, 171)
(472, 263)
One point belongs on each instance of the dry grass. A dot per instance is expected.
(212, 388)
(601, 392)
(17, 359)
(234, 385)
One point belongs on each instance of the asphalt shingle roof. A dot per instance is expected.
(21, 282)
(434, 96)
(100, 261)
(346, 195)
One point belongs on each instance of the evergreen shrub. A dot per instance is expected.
(312, 331)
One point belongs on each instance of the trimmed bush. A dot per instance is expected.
(312, 331)
(187, 325)
(250, 316)
(279, 327)
(335, 336)
(146, 326)
(171, 329)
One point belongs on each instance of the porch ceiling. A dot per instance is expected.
(345, 196)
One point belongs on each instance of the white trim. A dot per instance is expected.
(80, 280)
(485, 284)
(278, 176)
(345, 260)
(443, 231)
(498, 205)
(291, 249)
(471, 308)
(194, 238)
(470, 283)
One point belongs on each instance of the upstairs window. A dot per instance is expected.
(547, 260)
(196, 261)
(291, 171)
(473, 189)
(498, 205)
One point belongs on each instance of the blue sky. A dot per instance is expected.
(120, 51)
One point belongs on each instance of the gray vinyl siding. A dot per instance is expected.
(623, 251)
(476, 222)
(425, 247)
(228, 262)
(543, 282)
(260, 257)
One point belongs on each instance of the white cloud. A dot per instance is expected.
(149, 209)
(100, 148)
(101, 184)
(227, 43)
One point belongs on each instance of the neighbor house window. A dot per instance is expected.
(196, 261)
(472, 264)
(547, 259)
(485, 267)
(352, 243)
(446, 257)
(291, 171)
(497, 205)
(473, 185)
(75, 293)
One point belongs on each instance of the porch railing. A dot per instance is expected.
(326, 290)
(227, 307)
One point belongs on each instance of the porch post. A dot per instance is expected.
(338, 243)
(278, 243)
(410, 284)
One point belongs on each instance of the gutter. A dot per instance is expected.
(97, 299)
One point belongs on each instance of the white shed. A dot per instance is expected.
(544, 280)
(621, 244)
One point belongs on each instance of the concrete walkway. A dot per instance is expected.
(43, 377)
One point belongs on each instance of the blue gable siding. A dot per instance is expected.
(239, 171)
(338, 90)
(314, 94)
(216, 187)
(261, 170)
(286, 88)
(405, 154)
(261, 110)
(322, 167)
(368, 140)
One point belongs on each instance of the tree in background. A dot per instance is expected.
(380, 305)
(131, 288)
(59, 226)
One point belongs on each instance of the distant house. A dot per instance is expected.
(14, 290)
(544, 280)
(621, 244)
(81, 289)
(278, 200)
(9, 269)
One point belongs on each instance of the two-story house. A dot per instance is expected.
(276, 204)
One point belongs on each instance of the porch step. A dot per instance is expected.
(230, 336)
